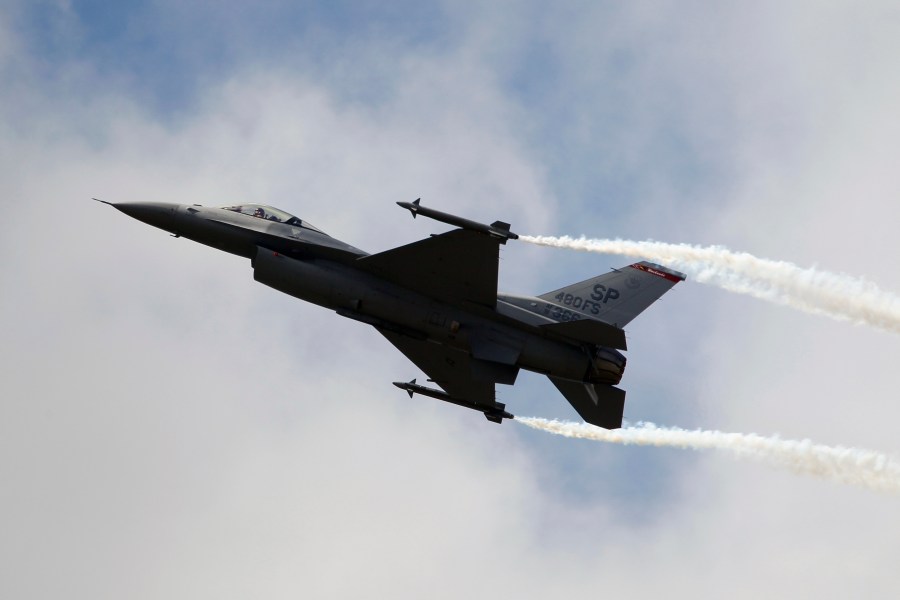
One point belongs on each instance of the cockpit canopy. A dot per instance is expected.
(270, 213)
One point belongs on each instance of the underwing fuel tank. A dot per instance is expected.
(497, 229)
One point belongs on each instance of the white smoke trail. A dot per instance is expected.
(819, 292)
(846, 465)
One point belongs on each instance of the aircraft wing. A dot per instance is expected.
(458, 265)
(451, 369)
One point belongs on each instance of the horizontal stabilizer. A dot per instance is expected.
(590, 331)
(598, 404)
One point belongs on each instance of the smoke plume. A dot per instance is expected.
(846, 465)
(819, 292)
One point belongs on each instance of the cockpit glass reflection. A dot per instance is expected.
(269, 213)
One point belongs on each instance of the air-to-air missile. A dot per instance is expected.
(497, 229)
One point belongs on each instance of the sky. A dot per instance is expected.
(170, 428)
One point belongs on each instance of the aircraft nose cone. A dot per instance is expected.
(158, 214)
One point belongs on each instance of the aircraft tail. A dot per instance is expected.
(598, 404)
(615, 298)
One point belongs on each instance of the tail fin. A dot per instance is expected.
(598, 404)
(618, 297)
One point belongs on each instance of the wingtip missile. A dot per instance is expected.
(494, 414)
(497, 229)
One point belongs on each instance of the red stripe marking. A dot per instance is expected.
(656, 272)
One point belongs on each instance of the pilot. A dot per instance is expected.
(259, 213)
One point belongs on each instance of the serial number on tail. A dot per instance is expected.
(591, 305)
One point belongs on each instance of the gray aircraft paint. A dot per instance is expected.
(436, 301)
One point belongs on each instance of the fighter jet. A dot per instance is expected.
(436, 301)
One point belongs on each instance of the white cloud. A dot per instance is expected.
(169, 428)
(192, 432)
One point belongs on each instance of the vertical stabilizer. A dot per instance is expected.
(618, 297)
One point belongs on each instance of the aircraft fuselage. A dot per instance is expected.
(436, 301)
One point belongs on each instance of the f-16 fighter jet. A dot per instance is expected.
(436, 300)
